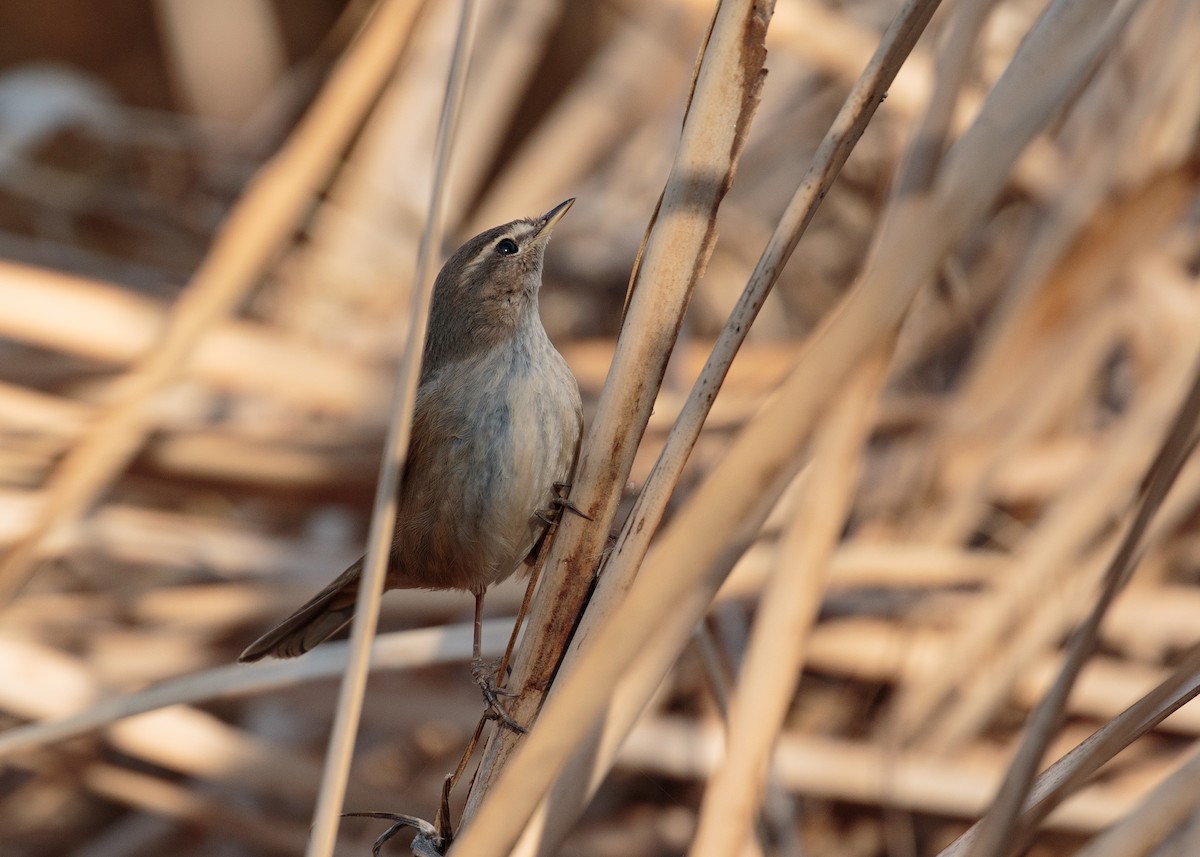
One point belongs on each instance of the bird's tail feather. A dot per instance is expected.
(320, 618)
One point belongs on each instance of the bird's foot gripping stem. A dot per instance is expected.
(484, 672)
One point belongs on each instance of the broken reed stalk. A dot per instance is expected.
(676, 249)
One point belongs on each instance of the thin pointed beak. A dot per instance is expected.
(551, 217)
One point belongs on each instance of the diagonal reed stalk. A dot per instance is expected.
(585, 770)
(689, 561)
(675, 251)
(998, 828)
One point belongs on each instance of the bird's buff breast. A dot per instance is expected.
(489, 441)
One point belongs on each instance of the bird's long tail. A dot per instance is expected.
(322, 617)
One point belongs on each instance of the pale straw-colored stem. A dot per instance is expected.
(788, 606)
(676, 250)
(618, 572)
(383, 515)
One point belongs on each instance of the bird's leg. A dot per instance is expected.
(483, 671)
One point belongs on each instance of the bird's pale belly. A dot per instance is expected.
(475, 524)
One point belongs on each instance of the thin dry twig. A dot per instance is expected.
(327, 814)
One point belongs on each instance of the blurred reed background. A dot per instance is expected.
(209, 214)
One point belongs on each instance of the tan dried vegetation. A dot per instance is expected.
(888, 465)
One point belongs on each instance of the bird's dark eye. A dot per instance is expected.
(507, 247)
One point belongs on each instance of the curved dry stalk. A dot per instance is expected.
(336, 774)
(265, 217)
(676, 249)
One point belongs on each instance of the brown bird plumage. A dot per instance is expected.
(496, 424)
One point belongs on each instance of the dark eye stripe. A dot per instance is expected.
(507, 247)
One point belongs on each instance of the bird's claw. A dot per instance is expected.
(560, 503)
(563, 504)
(484, 673)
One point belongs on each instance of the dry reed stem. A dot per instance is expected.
(1066, 775)
(251, 236)
(694, 554)
(864, 773)
(1050, 619)
(619, 570)
(327, 814)
(838, 45)
(997, 828)
(1167, 809)
(933, 133)
(789, 604)
(677, 246)
(46, 414)
(876, 651)
(109, 324)
(1043, 621)
(63, 692)
(170, 615)
(1027, 336)
(189, 806)
(223, 58)
(501, 70)
(584, 771)
(1046, 557)
(55, 686)
(625, 82)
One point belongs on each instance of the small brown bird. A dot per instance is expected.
(495, 435)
